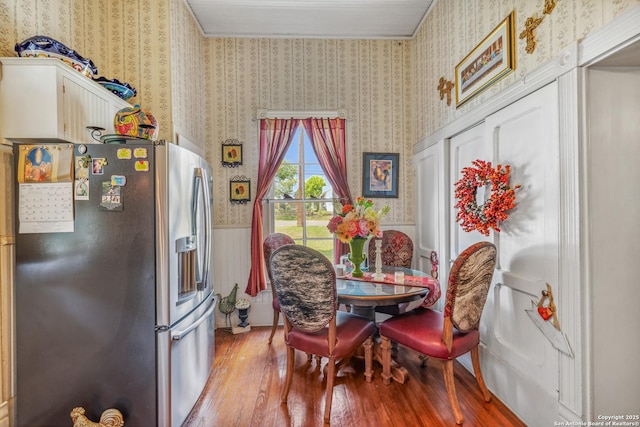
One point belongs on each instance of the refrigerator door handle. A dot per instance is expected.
(200, 186)
(178, 335)
(206, 196)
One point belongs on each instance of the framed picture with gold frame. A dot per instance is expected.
(487, 63)
(239, 190)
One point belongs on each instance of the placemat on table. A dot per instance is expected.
(389, 279)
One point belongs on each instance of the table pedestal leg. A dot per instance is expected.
(398, 373)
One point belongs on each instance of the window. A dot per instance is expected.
(302, 198)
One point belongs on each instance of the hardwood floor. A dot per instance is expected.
(245, 384)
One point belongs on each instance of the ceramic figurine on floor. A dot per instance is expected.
(227, 305)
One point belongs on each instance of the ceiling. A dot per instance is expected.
(338, 19)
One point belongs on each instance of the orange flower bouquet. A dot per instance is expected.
(354, 224)
(357, 220)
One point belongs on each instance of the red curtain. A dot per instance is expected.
(328, 141)
(275, 138)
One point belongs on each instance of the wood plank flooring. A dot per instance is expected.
(245, 383)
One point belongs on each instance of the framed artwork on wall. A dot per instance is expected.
(231, 153)
(380, 174)
(487, 63)
(239, 190)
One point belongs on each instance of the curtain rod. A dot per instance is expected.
(300, 114)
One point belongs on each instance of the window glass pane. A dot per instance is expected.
(315, 186)
(294, 149)
(317, 218)
(301, 177)
(309, 154)
(288, 219)
(323, 246)
(286, 181)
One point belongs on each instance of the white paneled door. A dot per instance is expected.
(432, 213)
(518, 361)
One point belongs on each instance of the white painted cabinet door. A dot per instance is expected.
(44, 99)
(519, 362)
(432, 213)
(82, 108)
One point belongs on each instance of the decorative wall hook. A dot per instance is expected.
(444, 87)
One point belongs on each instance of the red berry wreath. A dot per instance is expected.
(486, 216)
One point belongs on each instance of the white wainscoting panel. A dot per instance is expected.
(232, 263)
(525, 136)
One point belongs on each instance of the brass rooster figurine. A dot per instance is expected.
(109, 418)
(227, 305)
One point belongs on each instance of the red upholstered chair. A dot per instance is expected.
(271, 243)
(305, 284)
(396, 251)
(453, 333)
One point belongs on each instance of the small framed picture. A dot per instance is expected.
(239, 190)
(380, 175)
(231, 153)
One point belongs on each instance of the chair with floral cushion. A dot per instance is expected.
(396, 251)
(305, 284)
(271, 243)
(453, 333)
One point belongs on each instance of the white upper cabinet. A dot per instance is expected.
(43, 99)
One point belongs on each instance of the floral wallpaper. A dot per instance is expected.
(371, 80)
(209, 90)
(455, 27)
(128, 40)
(187, 74)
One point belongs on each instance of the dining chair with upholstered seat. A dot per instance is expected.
(396, 251)
(270, 244)
(454, 332)
(305, 284)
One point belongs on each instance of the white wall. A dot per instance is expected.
(613, 98)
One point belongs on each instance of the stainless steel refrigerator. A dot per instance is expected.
(117, 311)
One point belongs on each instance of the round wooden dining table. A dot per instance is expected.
(364, 294)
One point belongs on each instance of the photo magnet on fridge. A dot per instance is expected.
(81, 191)
(111, 198)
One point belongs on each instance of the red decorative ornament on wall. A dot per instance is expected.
(484, 216)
